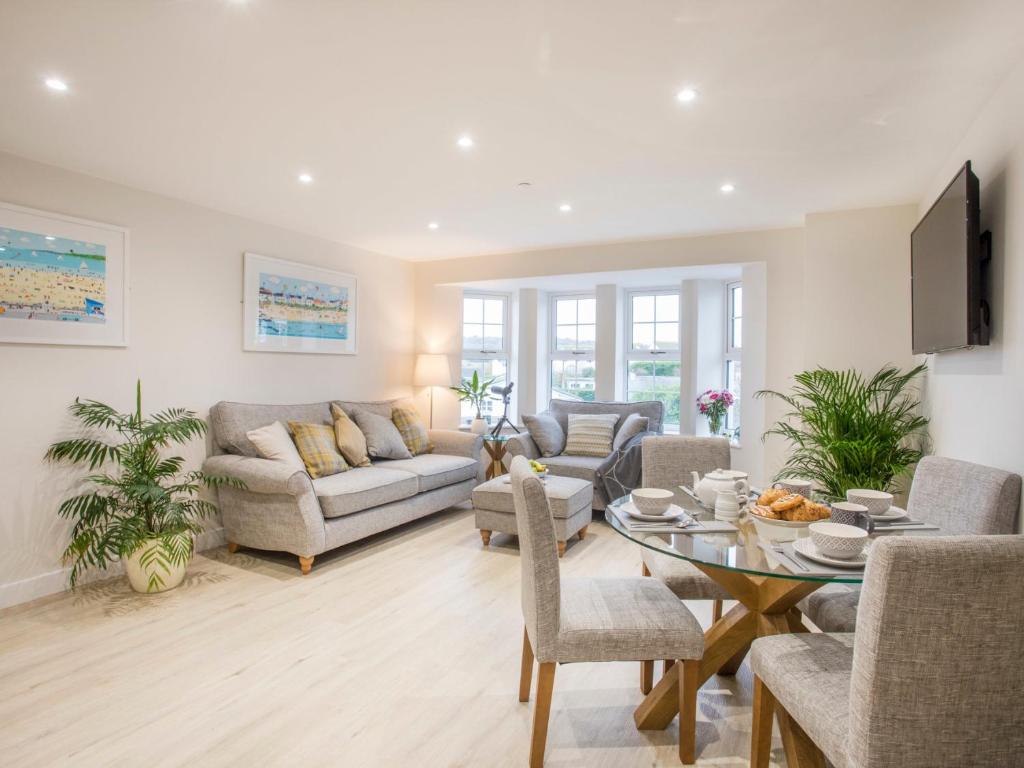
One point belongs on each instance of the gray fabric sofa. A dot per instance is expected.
(583, 467)
(284, 510)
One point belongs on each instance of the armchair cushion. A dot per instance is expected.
(546, 432)
(591, 434)
(631, 426)
(582, 467)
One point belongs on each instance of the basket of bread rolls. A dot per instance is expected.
(780, 515)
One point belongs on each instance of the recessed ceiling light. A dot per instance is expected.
(50, 237)
(686, 95)
(565, 208)
(56, 84)
(306, 178)
(465, 141)
(727, 188)
(433, 225)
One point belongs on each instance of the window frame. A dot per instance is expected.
(732, 354)
(555, 354)
(631, 354)
(503, 354)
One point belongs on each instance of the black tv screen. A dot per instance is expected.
(946, 271)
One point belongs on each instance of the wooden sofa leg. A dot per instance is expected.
(561, 548)
(485, 536)
(306, 564)
(232, 547)
(582, 533)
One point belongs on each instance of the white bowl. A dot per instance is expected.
(877, 502)
(779, 530)
(842, 542)
(652, 501)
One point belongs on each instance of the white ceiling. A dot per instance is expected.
(804, 105)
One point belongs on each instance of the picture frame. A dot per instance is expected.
(63, 280)
(298, 308)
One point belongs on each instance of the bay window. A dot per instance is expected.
(653, 370)
(572, 344)
(485, 347)
(734, 354)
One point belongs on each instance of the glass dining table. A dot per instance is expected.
(766, 592)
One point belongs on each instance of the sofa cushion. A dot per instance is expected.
(590, 434)
(546, 433)
(319, 451)
(275, 443)
(630, 427)
(383, 440)
(350, 439)
(582, 467)
(362, 488)
(435, 470)
(654, 410)
(412, 429)
(229, 422)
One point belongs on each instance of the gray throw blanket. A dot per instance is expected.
(622, 471)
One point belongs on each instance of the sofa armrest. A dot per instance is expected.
(455, 443)
(522, 445)
(260, 475)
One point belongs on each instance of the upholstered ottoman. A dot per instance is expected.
(570, 500)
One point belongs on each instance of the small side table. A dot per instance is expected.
(495, 447)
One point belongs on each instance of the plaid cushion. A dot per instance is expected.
(316, 446)
(412, 429)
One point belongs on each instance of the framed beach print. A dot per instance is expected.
(291, 307)
(62, 280)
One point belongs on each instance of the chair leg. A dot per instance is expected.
(526, 670)
(761, 730)
(689, 682)
(485, 536)
(668, 664)
(716, 611)
(646, 677)
(306, 564)
(541, 713)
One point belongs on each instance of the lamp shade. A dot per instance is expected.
(432, 371)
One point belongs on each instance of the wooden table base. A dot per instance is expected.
(496, 451)
(767, 606)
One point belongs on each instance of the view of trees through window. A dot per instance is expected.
(574, 330)
(653, 367)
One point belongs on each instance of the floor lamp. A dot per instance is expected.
(432, 371)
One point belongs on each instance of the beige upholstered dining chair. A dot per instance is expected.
(669, 461)
(933, 676)
(580, 619)
(957, 496)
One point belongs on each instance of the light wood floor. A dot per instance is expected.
(400, 651)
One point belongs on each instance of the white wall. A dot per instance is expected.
(186, 345)
(974, 397)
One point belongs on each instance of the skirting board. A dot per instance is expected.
(56, 581)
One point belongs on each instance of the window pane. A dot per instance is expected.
(587, 311)
(667, 307)
(737, 301)
(572, 379)
(733, 383)
(737, 333)
(472, 337)
(586, 337)
(472, 310)
(494, 311)
(640, 379)
(492, 337)
(667, 335)
(643, 335)
(565, 311)
(565, 338)
(643, 309)
(486, 369)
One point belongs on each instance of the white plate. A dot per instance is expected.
(806, 548)
(893, 513)
(674, 512)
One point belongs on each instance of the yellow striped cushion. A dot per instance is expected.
(316, 446)
(590, 434)
(412, 429)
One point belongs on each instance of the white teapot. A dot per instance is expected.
(707, 488)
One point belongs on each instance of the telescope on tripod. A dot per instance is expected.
(505, 395)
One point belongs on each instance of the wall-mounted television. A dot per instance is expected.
(948, 270)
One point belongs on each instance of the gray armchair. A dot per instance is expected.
(957, 496)
(932, 677)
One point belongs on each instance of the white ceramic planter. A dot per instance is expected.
(478, 427)
(139, 574)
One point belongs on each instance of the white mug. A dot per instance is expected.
(727, 504)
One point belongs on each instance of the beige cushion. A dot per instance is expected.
(273, 442)
(566, 495)
(590, 434)
(363, 488)
(350, 439)
(383, 440)
(435, 470)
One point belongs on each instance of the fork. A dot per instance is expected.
(777, 548)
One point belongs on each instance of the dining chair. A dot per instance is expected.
(958, 497)
(591, 619)
(669, 461)
(933, 675)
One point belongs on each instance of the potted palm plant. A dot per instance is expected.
(474, 391)
(847, 431)
(140, 507)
